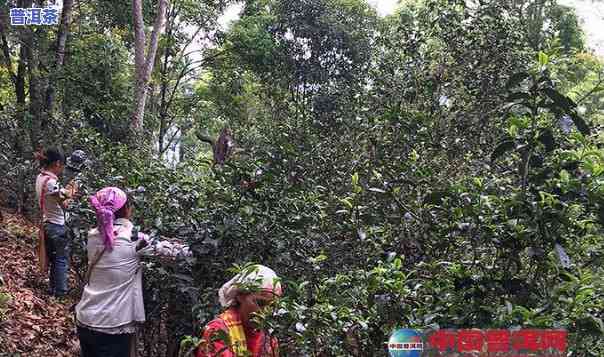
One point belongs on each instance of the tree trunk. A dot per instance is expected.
(162, 105)
(173, 348)
(60, 53)
(17, 79)
(36, 105)
(181, 151)
(144, 62)
(20, 142)
(165, 82)
(20, 80)
(20, 125)
(6, 53)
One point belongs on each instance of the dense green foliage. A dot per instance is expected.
(439, 167)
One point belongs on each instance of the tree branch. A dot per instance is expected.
(593, 90)
(165, 148)
(205, 139)
(139, 37)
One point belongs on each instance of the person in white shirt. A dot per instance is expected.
(111, 307)
(51, 198)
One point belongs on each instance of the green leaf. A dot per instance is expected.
(543, 59)
(523, 311)
(355, 179)
(513, 131)
(221, 335)
(566, 276)
(319, 258)
(502, 148)
(347, 202)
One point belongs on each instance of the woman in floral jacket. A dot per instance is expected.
(233, 333)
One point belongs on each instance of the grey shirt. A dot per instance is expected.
(114, 295)
(53, 211)
(113, 298)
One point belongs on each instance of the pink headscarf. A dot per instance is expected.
(105, 203)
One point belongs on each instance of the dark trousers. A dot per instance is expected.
(58, 248)
(98, 344)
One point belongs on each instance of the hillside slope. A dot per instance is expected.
(31, 322)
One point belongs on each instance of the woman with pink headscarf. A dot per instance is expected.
(111, 306)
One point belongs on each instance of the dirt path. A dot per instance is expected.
(32, 323)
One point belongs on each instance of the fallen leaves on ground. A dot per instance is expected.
(32, 322)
